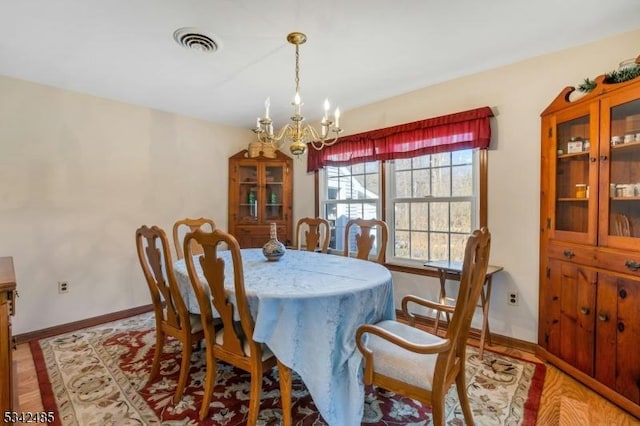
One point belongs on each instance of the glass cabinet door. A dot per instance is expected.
(574, 180)
(274, 191)
(249, 193)
(622, 173)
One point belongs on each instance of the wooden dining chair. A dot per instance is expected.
(232, 342)
(181, 227)
(172, 317)
(316, 235)
(404, 359)
(364, 240)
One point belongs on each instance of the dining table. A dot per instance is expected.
(306, 308)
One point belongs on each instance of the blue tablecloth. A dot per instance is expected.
(307, 307)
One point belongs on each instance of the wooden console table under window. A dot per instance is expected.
(454, 270)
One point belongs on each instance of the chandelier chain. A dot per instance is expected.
(297, 69)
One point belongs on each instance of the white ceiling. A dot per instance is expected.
(358, 51)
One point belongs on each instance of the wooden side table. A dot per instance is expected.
(454, 270)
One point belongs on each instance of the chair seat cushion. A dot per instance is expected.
(196, 323)
(399, 363)
(266, 352)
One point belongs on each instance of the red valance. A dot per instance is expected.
(453, 132)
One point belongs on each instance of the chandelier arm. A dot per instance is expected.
(279, 137)
(319, 144)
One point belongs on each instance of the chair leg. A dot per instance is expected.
(155, 366)
(461, 387)
(184, 371)
(209, 382)
(254, 395)
(437, 409)
(284, 373)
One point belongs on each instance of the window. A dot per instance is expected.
(426, 179)
(432, 203)
(350, 192)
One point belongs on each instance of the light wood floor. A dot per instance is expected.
(564, 400)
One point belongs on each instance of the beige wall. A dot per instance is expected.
(79, 174)
(517, 94)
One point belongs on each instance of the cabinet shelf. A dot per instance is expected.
(575, 155)
(625, 198)
(573, 199)
(628, 145)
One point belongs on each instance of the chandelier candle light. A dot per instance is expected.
(296, 133)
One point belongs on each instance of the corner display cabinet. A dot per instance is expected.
(260, 193)
(589, 322)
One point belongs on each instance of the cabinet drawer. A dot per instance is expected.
(260, 231)
(572, 253)
(257, 236)
(626, 263)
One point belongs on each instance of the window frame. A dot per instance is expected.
(392, 199)
(393, 264)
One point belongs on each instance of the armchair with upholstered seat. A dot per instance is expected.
(182, 226)
(365, 241)
(317, 233)
(420, 365)
(230, 340)
(171, 314)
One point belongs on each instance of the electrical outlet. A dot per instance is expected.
(63, 287)
(513, 298)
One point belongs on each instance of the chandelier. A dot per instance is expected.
(297, 134)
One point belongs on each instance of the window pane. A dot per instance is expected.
(462, 157)
(357, 187)
(403, 184)
(420, 245)
(458, 242)
(372, 186)
(330, 211)
(439, 217)
(371, 167)
(462, 181)
(370, 211)
(357, 169)
(422, 162)
(439, 246)
(402, 242)
(461, 217)
(421, 183)
(441, 179)
(402, 216)
(438, 160)
(420, 216)
(402, 164)
(344, 184)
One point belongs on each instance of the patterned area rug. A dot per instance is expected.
(99, 376)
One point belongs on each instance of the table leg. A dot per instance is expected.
(442, 274)
(285, 392)
(485, 297)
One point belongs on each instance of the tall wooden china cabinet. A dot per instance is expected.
(590, 239)
(260, 193)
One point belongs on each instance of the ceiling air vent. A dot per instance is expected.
(191, 38)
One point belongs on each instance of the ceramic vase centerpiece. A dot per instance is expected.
(273, 250)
